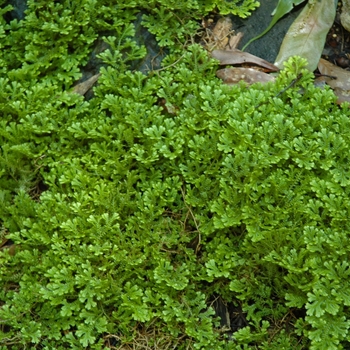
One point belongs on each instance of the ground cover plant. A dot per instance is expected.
(132, 211)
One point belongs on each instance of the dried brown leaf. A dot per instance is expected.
(341, 76)
(233, 75)
(337, 78)
(83, 87)
(343, 95)
(239, 57)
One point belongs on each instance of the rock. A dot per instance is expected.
(19, 6)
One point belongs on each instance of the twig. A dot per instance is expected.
(195, 221)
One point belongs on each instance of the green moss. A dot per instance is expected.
(133, 210)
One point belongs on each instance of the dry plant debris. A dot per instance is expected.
(82, 88)
(236, 56)
(337, 78)
(232, 76)
(219, 35)
(221, 41)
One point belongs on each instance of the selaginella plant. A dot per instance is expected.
(131, 211)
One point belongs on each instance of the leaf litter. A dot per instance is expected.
(306, 38)
(221, 41)
(337, 78)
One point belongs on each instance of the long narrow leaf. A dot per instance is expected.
(307, 35)
(236, 56)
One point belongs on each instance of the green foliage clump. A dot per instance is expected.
(131, 211)
(180, 16)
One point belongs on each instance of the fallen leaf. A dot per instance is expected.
(341, 76)
(343, 95)
(307, 35)
(236, 56)
(233, 75)
(345, 15)
(83, 87)
(337, 78)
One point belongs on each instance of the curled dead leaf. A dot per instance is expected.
(83, 87)
(236, 56)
